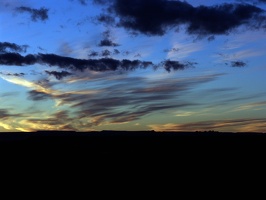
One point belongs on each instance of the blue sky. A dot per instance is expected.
(201, 67)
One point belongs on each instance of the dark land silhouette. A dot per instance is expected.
(128, 142)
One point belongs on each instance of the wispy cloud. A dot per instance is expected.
(184, 114)
(115, 101)
(239, 125)
(6, 118)
(183, 50)
(252, 106)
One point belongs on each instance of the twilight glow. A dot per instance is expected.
(165, 65)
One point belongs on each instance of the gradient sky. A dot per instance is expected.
(88, 65)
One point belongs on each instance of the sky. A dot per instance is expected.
(163, 65)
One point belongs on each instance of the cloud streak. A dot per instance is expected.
(241, 125)
(102, 64)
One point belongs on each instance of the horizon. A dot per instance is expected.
(120, 65)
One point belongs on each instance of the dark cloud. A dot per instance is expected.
(238, 64)
(17, 59)
(126, 53)
(155, 17)
(107, 43)
(36, 14)
(171, 50)
(106, 19)
(83, 2)
(252, 1)
(211, 38)
(137, 55)
(101, 1)
(8, 94)
(102, 64)
(58, 75)
(176, 65)
(13, 74)
(107, 33)
(6, 47)
(38, 96)
(42, 49)
(93, 54)
(5, 114)
(106, 53)
(116, 52)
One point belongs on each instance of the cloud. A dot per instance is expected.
(252, 106)
(17, 59)
(107, 43)
(239, 125)
(253, 1)
(41, 86)
(6, 47)
(102, 64)
(4, 114)
(93, 54)
(176, 65)
(128, 99)
(124, 99)
(5, 117)
(238, 64)
(58, 121)
(35, 95)
(83, 2)
(8, 94)
(105, 19)
(156, 17)
(116, 52)
(106, 53)
(185, 114)
(65, 49)
(58, 75)
(182, 50)
(12, 74)
(36, 14)
(117, 99)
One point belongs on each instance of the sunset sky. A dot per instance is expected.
(159, 65)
